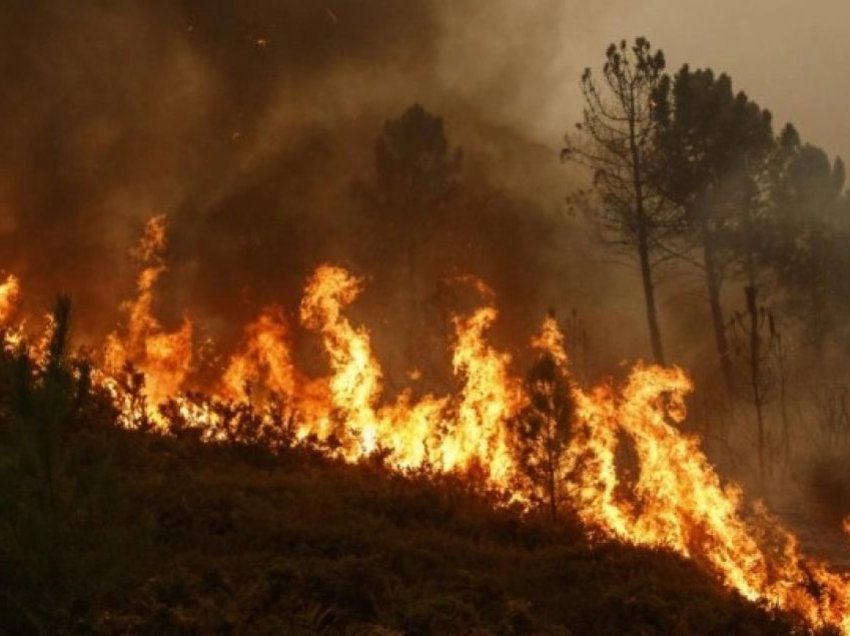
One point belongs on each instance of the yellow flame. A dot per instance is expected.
(263, 361)
(671, 498)
(10, 292)
(164, 357)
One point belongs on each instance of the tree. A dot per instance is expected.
(808, 243)
(713, 146)
(758, 329)
(542, 428)
(616, 141)
(415, 175)
(64, 533)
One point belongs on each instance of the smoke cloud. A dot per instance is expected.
(246, 122)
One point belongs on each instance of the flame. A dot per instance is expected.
(164, 357)
(664, 494)
(439, 433)
(10, 292)
(356, 381)
(678, 502)
(489, 397)
(263, 362)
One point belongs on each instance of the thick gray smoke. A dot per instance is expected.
(246, 122)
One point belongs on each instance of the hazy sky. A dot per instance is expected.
(790, 56)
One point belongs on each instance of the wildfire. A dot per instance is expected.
(164, 358)
(263, 362)
(672, 498)
(438, 432)
(10, 292)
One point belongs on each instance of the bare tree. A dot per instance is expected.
(615, 140)
(758, 328)
(783, 377)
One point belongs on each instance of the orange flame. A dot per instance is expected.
(442, 433)
(672, 498)
(489, 397)
(678, 502)
(356, 381)
(164, 358)
(263, 362)
(10, 292)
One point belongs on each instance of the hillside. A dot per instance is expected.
(170, 536)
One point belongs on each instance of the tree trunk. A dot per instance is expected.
(783, 403)
(712, 281)
(643, 241)
(649, 295)
(755, 376)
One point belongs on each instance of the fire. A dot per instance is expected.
(356, 381)
(164, 357)
(10, 292)
(489, 397)
(678, 502)
(671, 497)
(263, 362)
(441, 433)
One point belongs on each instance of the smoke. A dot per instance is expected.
(246, 122)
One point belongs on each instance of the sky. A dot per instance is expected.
(789, 56)
(519, 64)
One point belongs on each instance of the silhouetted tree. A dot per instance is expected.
(542, 429)
(783, 375)
(60, 539)
(758, 330)
(616, 141)
(713, 148)
(415, 175)
(809, 240)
